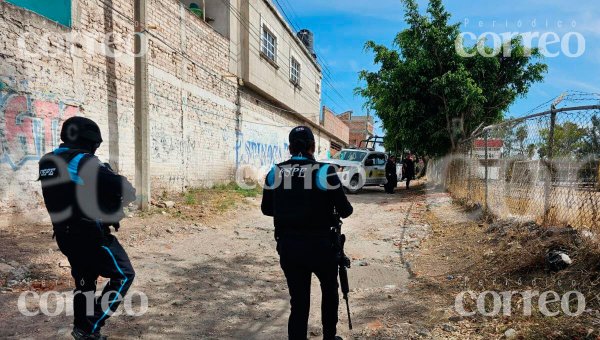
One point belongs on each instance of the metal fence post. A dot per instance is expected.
(486, 137)
(549, 173)
(469, 173)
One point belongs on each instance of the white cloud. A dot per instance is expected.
(589, 23)
(571, 84)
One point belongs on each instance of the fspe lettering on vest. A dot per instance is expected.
(293, 172)
(47, 172)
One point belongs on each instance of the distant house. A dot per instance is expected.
(338, 128)
(361, 127)
(495, 148)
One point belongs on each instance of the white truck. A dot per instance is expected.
(358, 168)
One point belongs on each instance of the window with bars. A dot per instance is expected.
(295, 71)
(269, 44)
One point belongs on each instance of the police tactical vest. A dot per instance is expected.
(59, 178)
(301, 200)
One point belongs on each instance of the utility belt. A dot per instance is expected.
(82, 227)
(303, 233)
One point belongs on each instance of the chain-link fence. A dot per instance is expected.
(544, 166)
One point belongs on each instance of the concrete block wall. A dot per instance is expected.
(49, 73)
(193, 99)
(263, 139)
(323, 145)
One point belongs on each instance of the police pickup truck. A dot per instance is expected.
(358, 168)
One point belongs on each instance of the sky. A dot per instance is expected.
(342, 27)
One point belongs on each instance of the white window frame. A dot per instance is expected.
(268, 43)
(295, 71)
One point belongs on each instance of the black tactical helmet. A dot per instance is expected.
(80, 131)
(301, 139)
(301, 133)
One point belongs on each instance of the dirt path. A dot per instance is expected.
(223, 281)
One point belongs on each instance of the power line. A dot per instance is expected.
(293, 11)
(286, 16)
(211, 72)
(246, 24)
(326, 70)
(184, 55)
(333, 101)
(327, 78)
(338, 93)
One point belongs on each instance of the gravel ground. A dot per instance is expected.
(219, 277)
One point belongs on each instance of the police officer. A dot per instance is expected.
(408, 169)
(84, 197)
(390, 175)
(301, 194)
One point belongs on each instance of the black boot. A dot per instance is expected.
(79, 334)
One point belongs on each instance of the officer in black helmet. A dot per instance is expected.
(301, 194)
(84, 197)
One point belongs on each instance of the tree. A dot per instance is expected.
(430, 98)
(521, 135)
(506, 132)
(513, 138)
(568, 140)
(591, 141)
(531, 150)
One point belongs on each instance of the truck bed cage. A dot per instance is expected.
(370, 143)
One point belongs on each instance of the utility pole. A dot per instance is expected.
(142, 176)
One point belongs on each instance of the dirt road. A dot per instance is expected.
(222, 280)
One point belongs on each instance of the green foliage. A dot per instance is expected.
(591, 143)
(429, 97)
(248, 192)
(236, 188)
(514, 138)
(521, 135)
(190, 198)
(568, 140)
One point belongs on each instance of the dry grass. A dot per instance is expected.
(200, 203)
(508, 255)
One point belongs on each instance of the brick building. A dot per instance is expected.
(226, 84)
(361, 127)
(331, 122)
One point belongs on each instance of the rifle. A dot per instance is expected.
(342, 260)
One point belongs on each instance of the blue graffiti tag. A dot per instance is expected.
(263, 154)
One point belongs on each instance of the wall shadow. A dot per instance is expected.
(111, 88)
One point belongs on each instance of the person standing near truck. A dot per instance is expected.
(391, 175)
(408, 169)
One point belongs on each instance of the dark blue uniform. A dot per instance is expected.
(301, 194)
(84, 197)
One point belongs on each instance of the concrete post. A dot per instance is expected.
(486, 205)
(549, 166)
(142, 159)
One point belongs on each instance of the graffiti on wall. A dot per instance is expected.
(264, 154)
(260, 151)
(29, 127)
